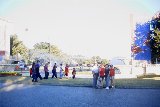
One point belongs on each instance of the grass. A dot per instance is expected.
(140, 82)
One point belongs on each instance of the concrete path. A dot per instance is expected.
(19, 95)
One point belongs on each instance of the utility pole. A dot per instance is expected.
(132, 40)
(49, 45)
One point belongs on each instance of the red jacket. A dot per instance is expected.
(112, 72)
(101, 71)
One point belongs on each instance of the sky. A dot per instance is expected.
(86, 27)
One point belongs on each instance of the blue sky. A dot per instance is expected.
(87, 27)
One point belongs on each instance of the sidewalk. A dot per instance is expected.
(19, 95)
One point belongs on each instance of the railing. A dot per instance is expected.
(124, 69)
(137, 70)
(7, 67)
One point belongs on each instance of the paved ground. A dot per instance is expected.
(19, 95)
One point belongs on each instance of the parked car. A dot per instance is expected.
(20, 65)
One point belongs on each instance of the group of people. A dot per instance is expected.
(35, 74)
(102, 72)
(34, 71)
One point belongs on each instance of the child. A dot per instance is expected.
(66, 70)
(30, 71)
(61, 71)
(74, 73)
(99, 82)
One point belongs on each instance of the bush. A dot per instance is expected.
(10, 74)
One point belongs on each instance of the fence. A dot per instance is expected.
(138, 70)
(124, 69)
(7, 67)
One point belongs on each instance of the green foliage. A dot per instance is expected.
(17, 47)
(105, 61)
(47, 47)
(96, 59)
(155, 41)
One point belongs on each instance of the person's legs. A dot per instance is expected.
(112, 81)
(56, 74)
(96, 78)
(107, 82)
(73, 76)
(60, 75)
(46, 75)
(36, 79)
(94, 81)
(53, 74)
(39, 75)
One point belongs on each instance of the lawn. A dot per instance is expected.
(140, 82)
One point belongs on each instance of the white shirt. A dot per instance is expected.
(95, 69)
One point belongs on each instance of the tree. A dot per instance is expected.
(17, 47)
(47, 47)
(46, 52)
(147, 40)
(96, 59)
(155, 40)
(105, 61)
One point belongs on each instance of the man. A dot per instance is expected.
(46, 70)
(107, 77)
(37, 66)
(95, 75)
(54, 71)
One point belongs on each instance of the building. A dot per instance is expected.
(6, 29)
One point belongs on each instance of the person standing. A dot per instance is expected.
(66, 70)
(30, 72)
(54, 72)
(101, 76)
(46, 70)
(61, 71)
(112, 74)
(101, 71)
(37, 69)
(107, 76)
(74, 73)
(95, 75)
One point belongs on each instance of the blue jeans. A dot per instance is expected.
(61, 74)
(107, 81)
(95, 78)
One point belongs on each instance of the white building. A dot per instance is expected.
(6, 29)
